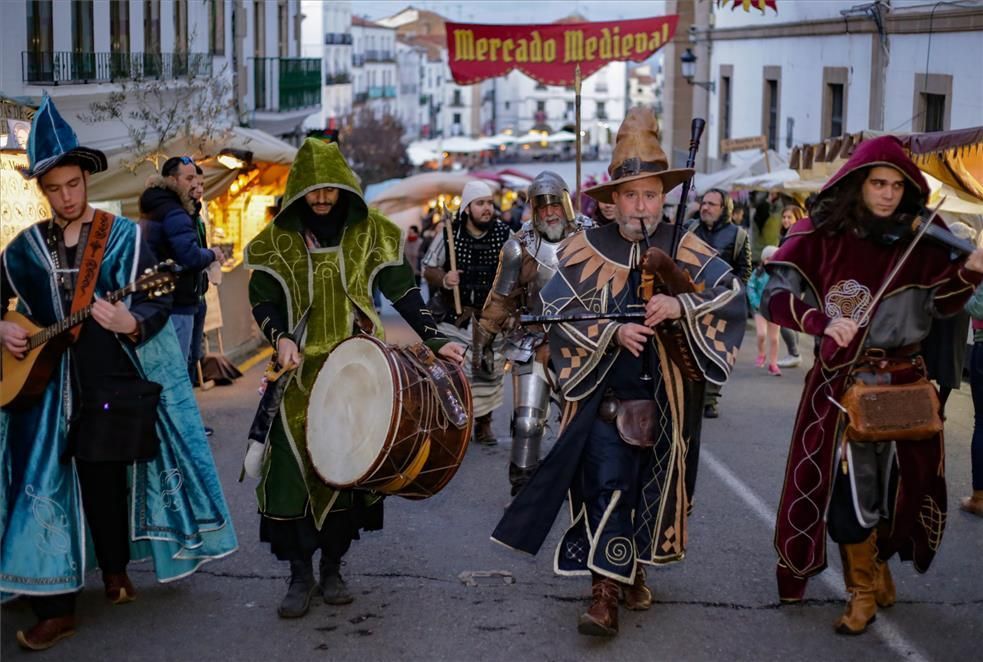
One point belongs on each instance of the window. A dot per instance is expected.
(835, 110)
(259, 28)
(457, 98)
(602, 113)
(216, 36)
(540, 106)
(151, 26)
(507, 105)
(283, 28)
(83, 34)
(40, 32)
(119, 27)
(457, 118)
(181, 26)
(771, 113)
(934, 112)
(570, 106)
(540, 86)
(725, 107)
(933, 102)
(40, 41)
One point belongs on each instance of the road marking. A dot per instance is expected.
(262, 355)
(884, 628)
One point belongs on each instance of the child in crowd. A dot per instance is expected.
(767, 332)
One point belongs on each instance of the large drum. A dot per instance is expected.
(395, 420)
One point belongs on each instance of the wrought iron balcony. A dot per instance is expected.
(360, 98)
(340, 78)
(337, 39)
(79, 68)
(283, 84)
(358, 60)
(380, 56)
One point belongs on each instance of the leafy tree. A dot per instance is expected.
(199, 109)
(373, 146)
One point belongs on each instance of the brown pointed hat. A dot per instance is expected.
(638, 154)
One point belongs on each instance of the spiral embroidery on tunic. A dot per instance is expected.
(618, 551)
(171, 482)
(53, 519)
(849, 299)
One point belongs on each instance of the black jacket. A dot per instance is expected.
(171, 233)
(724, 237)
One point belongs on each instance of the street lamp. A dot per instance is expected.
(688, 62)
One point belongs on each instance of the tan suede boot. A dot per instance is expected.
(601, 620)
(859, 576)
(637, 597)
(884, 592)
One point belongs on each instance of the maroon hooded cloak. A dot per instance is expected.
(818, 276)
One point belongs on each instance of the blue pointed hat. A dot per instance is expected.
(52, 141)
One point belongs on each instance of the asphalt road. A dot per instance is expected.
(411, 604)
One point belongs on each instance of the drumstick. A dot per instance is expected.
(453, 264)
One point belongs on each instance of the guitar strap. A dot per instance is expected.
(92, 254)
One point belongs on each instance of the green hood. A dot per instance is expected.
(319, 164)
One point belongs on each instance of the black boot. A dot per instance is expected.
(333, 587)
(302, 588)
(519, 476)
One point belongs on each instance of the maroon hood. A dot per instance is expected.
(882, 151)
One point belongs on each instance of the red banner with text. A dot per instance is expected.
(550, 53)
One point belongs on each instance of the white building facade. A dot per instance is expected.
(327, 34)
(522, 104)
(818, 70)
(374, 74)
(79, 53)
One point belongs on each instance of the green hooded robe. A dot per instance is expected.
(334, 281)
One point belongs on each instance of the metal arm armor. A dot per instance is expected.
(509, 267)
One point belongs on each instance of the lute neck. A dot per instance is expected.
(74, 319)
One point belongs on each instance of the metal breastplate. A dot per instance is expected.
(545, 254)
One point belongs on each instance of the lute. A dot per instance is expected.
(22, 381)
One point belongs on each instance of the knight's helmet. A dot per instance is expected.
(549, 189)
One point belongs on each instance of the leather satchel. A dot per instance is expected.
(892, 412)
(638, 422)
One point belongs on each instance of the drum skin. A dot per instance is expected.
(420, 452)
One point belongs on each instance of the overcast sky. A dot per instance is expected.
(507, 11)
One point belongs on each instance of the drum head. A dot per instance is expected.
(350, 412)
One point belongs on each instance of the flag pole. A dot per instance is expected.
(576, 90)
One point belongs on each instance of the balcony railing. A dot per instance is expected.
(358, 60)
(376, 92)
(361, 97)
(341, 78)
(337, 39)
(380, 56)
(283, 84)
(389, 91)
(73, 68)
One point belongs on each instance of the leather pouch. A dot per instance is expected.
(637, 422)
(892, 412)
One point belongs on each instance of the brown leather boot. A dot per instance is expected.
(483, 431)
(46, 633)
(637, 597)
(119, 588)
(601, 620)
(973, 504)
(859, 576)
(884, 592)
